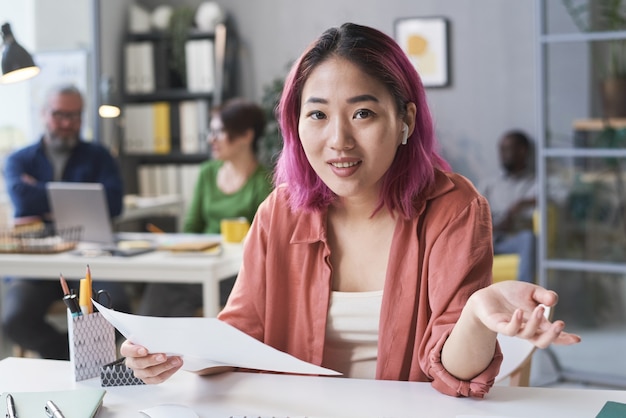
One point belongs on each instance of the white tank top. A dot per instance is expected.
(352, 333)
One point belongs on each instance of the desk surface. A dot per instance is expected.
(156, 266)
(276, 395)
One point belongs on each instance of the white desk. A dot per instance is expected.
(157, 266)
(138, 207)
(295, 396)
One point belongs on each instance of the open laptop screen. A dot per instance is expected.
(81, 204)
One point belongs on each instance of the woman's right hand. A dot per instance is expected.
(151, 368)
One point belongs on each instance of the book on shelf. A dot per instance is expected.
(161, 126)
(200, 64)
(193, 118)
(147, 128)
(188, 178)
(168, 179)
(139, 73)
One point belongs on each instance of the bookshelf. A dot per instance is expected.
(166, 109)
(581, 161)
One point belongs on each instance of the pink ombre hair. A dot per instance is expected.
(413, 168)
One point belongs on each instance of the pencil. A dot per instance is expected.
(90, 285)
(84, 298)
(66, 290)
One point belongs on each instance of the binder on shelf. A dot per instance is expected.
(193, 117)
(146, 65)
(161, 128)
(131, 70)
(147, 128)
(139, 129)
(202, 108)
(147, 181)
(200, 62)
(139, 71)
(188, 178)
(167, 179)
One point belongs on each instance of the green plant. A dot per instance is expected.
(600, 16)
(181, 22)
(272, 140)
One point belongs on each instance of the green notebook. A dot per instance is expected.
(612, 410)
(76, 403)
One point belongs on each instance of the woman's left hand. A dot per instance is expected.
(517, 309)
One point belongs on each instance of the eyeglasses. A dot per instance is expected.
(216, 133)
(59, 116)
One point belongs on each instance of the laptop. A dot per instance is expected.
(85, 204)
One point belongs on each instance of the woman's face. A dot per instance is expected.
(223, 145)
(349, 127)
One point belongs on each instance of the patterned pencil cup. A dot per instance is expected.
(92, 344)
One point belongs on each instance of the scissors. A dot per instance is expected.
(103, 297)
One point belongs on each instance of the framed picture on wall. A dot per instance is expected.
(425, 41)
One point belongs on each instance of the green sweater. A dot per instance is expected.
(210, 205)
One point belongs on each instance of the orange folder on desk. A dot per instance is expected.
(190, 246)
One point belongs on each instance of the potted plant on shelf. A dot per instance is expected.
(610, 56)
(180, 24)
(272, 140)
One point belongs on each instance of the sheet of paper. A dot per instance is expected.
(205, 342)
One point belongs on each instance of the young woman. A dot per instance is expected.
(370, 257)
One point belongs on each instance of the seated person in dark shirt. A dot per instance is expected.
(59, 155)
(512, 197)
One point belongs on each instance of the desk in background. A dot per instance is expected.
(138, 207)
(256, 394)
(156, 266)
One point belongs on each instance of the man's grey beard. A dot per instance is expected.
(61, 144)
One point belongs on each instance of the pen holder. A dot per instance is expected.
(92, 344)
(117, 374)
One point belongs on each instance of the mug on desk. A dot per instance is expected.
(234, 229)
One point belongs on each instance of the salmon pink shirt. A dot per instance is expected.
(437, 260)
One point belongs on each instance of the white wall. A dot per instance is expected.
(14, 118)
(493, 62)
(36, 30)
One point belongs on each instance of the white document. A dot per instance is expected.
(205, 342)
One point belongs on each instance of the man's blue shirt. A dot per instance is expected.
(88, 163)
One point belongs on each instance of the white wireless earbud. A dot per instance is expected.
(405, 133)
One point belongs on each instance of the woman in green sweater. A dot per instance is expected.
(232, 184)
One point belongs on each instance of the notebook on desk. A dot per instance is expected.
(85, 204)
(77, 403)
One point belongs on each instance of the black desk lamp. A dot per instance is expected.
(17, 64)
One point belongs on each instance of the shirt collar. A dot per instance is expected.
(311, 226)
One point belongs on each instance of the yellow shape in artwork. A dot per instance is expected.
(416, 45)
(423, 57)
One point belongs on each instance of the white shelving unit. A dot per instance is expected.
(582, 253)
